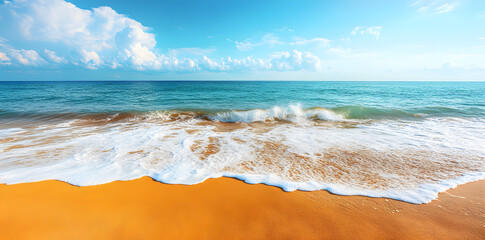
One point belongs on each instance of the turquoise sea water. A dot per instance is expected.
(360, 99)
(403, 140)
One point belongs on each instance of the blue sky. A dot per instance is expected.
(242, 40)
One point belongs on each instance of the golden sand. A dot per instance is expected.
(229, 209)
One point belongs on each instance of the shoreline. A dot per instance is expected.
(227, 208)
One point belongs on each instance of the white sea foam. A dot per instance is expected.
(293, 113)
(406, 160)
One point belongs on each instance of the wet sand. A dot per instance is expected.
(226, 208)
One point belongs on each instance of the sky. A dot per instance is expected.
(242, 40)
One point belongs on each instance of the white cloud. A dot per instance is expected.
(294, 61)
(320, 42)
(268, 39)
(171, 63)
(191, 51)
(53, 56)
(280, 61)
(90, 59)
(138, 46)
(4, 59)
(26, 57)
(373, 30)
(113, 37)
(435, 6)
(211, 65)
(250, 63)
(101, 37)
(445, 8)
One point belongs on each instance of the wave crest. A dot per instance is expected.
(293, 113)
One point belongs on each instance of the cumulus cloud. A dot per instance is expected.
(211, 65)
(280, 61)
(87, 37)
(172, 63)
(295, 60)
(90, 59)
(373, 30)
(248, 63)
(56, 32)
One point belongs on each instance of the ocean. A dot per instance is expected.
(402, 140)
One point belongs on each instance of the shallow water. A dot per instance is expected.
(403, 140)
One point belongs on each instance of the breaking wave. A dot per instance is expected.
(292, 113)
(347, 150)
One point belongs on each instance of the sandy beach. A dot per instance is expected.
(226, 208)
